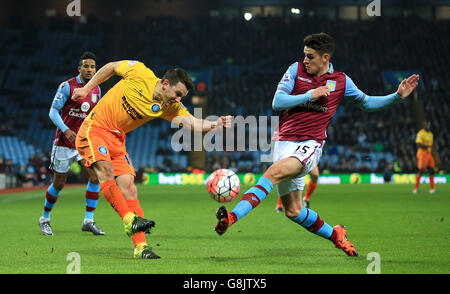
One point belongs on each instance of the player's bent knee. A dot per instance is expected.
(59, 181)
(105, 172)
(127, 186)
(94, 180)
(58, 186)
(275, 174)
(291, 213)
(293, 207)
(130, 192)
(92, 177)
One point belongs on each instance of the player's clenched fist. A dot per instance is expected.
(322, 91)
(79, 93)
(224, 121)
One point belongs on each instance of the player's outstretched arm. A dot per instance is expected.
(103, 74)
(202, 125)
(373, 103)
(222, 122)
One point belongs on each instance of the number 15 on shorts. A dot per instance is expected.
(303, 149)
(306, 150)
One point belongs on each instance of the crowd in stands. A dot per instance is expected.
(34, 173)
(247, 60)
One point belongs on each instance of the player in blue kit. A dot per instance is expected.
(308, 96)
(67, 115)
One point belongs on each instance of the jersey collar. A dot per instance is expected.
(331, 70)
(79, 79)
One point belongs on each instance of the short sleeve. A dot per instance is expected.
(178, 109)
(288, 80)
(130, 69)
(419, 137)
(61, 96)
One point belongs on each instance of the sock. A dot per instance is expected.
(139, 238)
(128, 217)
(431, 182)
(50, 198)
(251, 199)
(309, 190)
(417, 182)
(112, 194)
(92, 195)
(279, 203)
(311, 221)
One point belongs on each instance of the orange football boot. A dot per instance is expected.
(343, 243)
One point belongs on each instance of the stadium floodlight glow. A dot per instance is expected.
(295, 11)
(248, 16)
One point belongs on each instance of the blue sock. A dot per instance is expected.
(311, 221)
(92, 195)
(253, 197)
(50, 198)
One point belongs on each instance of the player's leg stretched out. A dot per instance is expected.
(116, 176)
(121, 194)
(282, 171)
(129, 191)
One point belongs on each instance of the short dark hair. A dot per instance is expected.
(179, 75)
(86, 55)
(321, 42)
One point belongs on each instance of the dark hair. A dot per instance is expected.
(321, 42)
(86, 55)
(179, 75)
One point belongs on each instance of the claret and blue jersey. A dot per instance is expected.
(68, 114)
(304, 119)
(64, 93)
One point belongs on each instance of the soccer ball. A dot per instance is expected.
(223, 185)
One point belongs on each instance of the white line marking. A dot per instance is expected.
(20, 198)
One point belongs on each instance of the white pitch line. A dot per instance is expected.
(20, 198)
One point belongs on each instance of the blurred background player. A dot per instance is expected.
(425, 160)
(313, 182)
(135, 100)
(67, 115)
(308, 95)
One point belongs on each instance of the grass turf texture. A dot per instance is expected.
(410, 232)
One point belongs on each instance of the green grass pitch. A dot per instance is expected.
(410, 233)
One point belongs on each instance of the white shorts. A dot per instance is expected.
(307, 152)
(62, 157)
